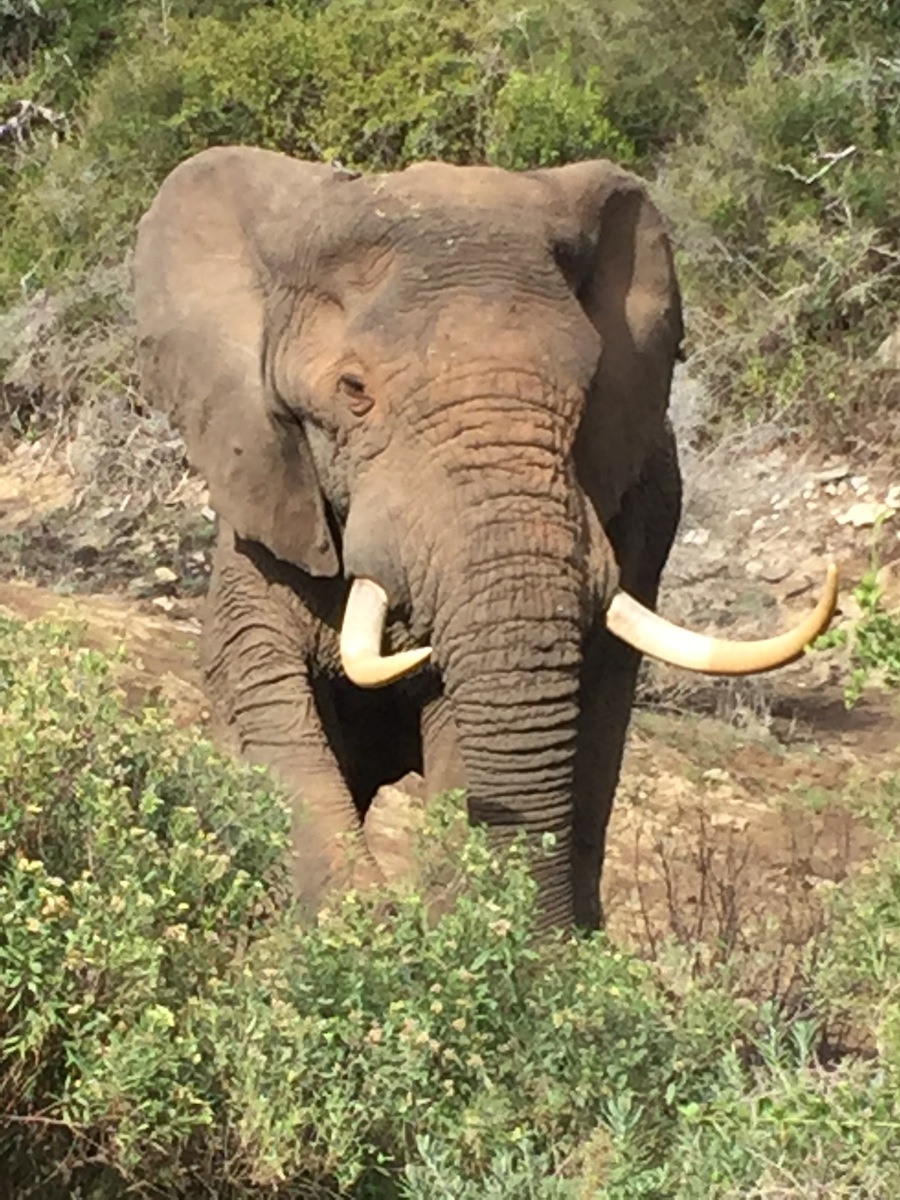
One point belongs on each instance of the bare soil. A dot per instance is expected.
(740, 802)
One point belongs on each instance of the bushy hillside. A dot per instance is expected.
(770, 127)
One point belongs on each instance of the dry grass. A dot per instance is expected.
(68, 379)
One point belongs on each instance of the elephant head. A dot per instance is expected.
(440, 383)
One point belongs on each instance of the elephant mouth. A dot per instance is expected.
(362, 632)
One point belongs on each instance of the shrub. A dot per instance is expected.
(170, 1026)
(162, 1014)
(790, 1128)
(545, 118)
(133, 863)
(59, 42)
(788, 241)
(378, 85)
(403, 82)
(873, 639)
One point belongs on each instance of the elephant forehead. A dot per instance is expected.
(467, 276)
(383, 228)
(473, 187)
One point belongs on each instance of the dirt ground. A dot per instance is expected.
(737, 803)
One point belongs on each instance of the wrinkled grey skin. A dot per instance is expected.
(512, 337)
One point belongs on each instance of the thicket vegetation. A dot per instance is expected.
(168, 1027)
(770, 127)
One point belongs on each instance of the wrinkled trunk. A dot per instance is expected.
(497, 574)
(508, 636)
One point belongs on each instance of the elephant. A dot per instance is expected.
(430, 407)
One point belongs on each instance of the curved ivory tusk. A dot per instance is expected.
(653, 635)
(361, 634)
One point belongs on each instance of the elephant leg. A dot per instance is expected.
(256, 653)
(641, 535)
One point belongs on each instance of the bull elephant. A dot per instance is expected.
(430, 408)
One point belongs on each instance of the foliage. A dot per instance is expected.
(168, 1025)
(378, 85)
(873, 638)
(788, 230)
(158, 1009)
(544, 118)
(772, 128)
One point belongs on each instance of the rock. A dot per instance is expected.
(141, 587)
(775, 572)
(832, 474)
(888, 353)
(165, 575)
(394, 818)
(733, 822)
(865, 513)
(696, 537)
(716, 775)
(772, 568)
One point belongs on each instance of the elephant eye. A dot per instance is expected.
(353, 384)
(355, 389)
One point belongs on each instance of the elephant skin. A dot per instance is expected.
(452, 381)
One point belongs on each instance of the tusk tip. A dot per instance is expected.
(373, 670)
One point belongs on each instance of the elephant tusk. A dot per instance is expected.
(653, 635)
(361, 634)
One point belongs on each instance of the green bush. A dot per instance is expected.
(789, 238)
(378, 85)
(58, 42)
(404, 81)
(159, 1009)
(133, 865)
(168, 1024)
(873, 640)
(546, 118)
(789, 1127)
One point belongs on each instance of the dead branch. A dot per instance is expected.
(18, 126)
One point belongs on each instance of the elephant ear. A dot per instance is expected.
(618, 258)
(206, 299)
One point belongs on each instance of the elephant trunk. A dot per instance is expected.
(508, 637)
